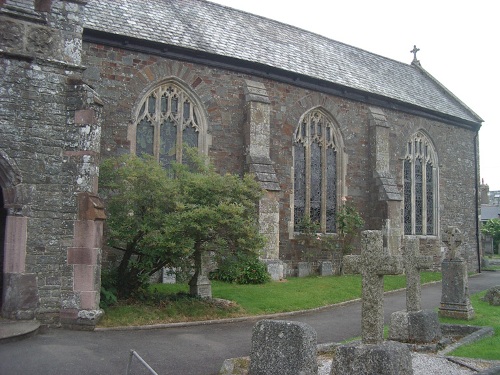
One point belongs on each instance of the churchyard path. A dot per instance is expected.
(186, 350)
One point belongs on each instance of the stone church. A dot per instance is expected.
(320, 124)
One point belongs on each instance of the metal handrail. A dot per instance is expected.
(133, 354)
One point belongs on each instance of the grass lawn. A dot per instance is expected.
(485, 315)
(274, 297)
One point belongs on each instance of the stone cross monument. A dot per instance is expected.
(414, 263)
(455, 302)
(414, 325)
(373, 264)
(370, 357)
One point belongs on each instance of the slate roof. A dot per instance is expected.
(490, 212)
(212, 28)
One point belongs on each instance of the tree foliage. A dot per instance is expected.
(492, 228)
(161, 217)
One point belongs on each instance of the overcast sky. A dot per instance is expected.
(459, 43)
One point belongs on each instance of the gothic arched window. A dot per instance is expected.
(420, 176)
(316, 163)
(168, 118)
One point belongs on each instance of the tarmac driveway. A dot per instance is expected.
(186, 350)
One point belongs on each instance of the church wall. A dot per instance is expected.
(35, 141)
(45, 138)
(123, 77)
(457, 183)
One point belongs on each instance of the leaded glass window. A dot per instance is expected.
(315, 171)
(419, 186)
(168, 119)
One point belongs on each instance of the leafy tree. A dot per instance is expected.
(164, 218)
(492, 228)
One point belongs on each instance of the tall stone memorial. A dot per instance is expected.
(373, 355)
(455, 302)
(414, 324)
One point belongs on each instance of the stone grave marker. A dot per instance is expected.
(373, 355)
(303, 269)
(200, 285)
(282, 347)
(326, 268)
(373, 264)
(414, 325)
(492, 296)
(168, 275)
(455, 302)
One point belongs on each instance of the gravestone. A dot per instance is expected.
(303, 269)
(373, 355)
(487, 244)
(414, 325)
(283, 348)
(492, 296)
(455, 302)
(275, 268)
(200, 285)
(326, 268)
(168, 275)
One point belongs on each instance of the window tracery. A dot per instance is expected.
(316, 149)
(168, 117)
(420, 186)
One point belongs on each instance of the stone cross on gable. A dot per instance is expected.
(413, 264)
(414, 51)
(373, 264)
(453, 238)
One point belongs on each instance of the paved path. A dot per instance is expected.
(188, 350)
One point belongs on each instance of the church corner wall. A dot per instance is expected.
(50, 136)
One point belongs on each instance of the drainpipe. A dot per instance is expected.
(478, 236)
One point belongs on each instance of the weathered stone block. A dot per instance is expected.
(283, 348)
(415, 326)
(388, 358)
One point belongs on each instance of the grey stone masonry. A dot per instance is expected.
(373, 264)
(257, 140)
(283, 348)
(455, 302)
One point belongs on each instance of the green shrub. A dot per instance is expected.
(108, 288)
(241, 270)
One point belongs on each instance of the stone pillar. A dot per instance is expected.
(388, 195)
(20, 295)
(257, 139)
(455, 302)
(80, 301)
